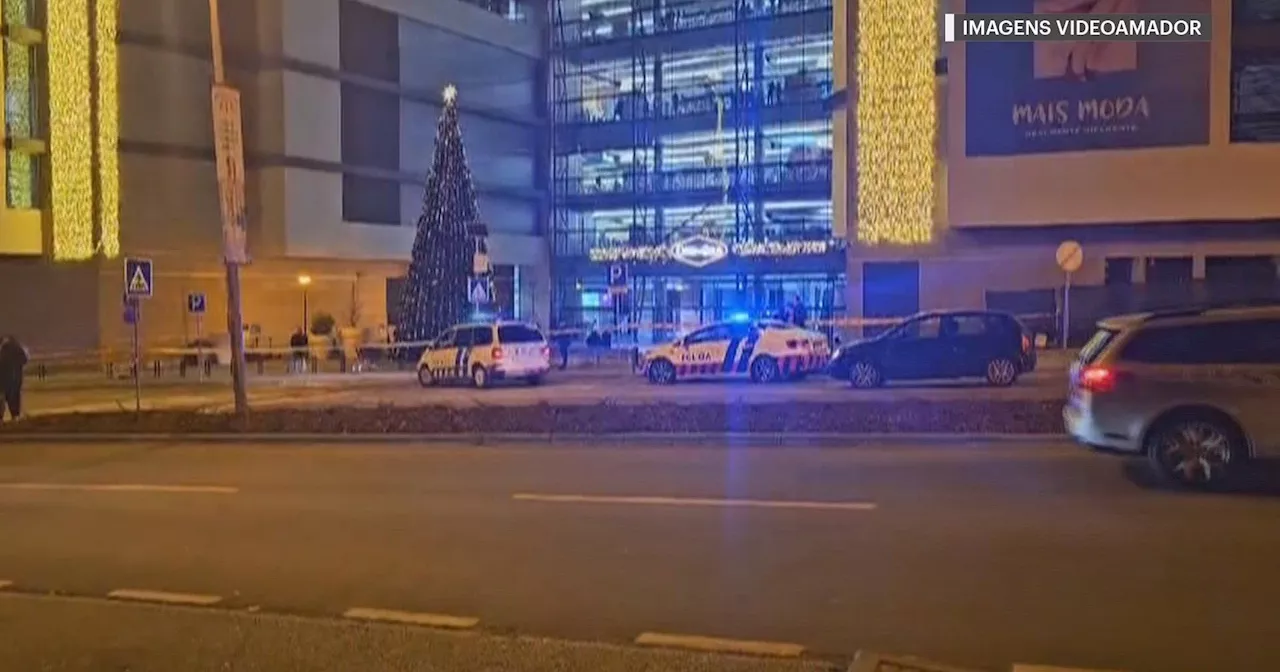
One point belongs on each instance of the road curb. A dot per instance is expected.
(753, 439)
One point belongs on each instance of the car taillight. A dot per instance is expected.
(546, 352)
(496, 354)
(1097, 379)
(1026, 343)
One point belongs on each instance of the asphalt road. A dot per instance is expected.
(582, 386)
(977, 555)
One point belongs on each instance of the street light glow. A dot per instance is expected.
(304, 280)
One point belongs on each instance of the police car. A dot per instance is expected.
(762, 350)
(483, 352)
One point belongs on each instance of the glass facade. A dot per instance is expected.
(681, 121)
(21, 109)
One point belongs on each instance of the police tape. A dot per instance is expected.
(322, 346)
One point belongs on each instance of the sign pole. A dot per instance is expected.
(200, 347)
(1070, 257)
(137, 358)
(1066, 310)
(235, 322)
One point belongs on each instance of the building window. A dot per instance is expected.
(1118, 272)
(370, 200)
(23, 150)
(1255, 71)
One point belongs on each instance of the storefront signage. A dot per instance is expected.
(700, 251)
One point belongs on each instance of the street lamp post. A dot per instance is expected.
(304, 281)
(235, 320)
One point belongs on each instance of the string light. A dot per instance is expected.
(17, 86)
(107, 134)
(70, 139)
(897, 120)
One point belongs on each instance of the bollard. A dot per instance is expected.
(111, 369)
(208, 366)
(182, 368)
(155, 368)
(342, 362)
(42, 372)
(262, 365)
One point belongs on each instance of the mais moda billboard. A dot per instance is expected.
(1041, 97)
(1049, 133)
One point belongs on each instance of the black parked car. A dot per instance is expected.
(949, 344)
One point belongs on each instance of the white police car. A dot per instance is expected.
(762, 350)
(484, 352)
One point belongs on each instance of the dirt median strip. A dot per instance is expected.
(970, 417)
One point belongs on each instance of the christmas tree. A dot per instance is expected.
(435, 292)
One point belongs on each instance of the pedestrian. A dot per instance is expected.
(298, 343)
(563, 340)
(13, 359)
(799, 315)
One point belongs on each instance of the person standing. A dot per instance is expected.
(799, 314)
(299, 344)
(13, 359)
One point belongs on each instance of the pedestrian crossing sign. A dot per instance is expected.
(479, 291)
(137, 278)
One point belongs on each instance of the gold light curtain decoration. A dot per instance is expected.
(107, 134)
(897, 120)
(74, 142)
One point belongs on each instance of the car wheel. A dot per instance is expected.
(480, 377)
(662, 372)
(764, 370)
(865, 375)
(534, 381)
(1002, 372)
(1195, 450)
(425, 377)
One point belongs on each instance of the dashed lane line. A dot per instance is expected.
(719, 645)
(442, 621)
(1019, 667)
(124, 487)
(696, 501)
(162, 597)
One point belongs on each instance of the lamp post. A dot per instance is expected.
(235, 320)
(304, 281)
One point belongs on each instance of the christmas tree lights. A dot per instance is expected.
(897, 120)
(435, 292)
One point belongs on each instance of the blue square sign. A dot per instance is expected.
(137, 278)
(196, 303)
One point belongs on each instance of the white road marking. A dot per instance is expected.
(718, 645)
(124, 487)
(164, 597)
(412, 618)
(696, 501)
(1050, 668)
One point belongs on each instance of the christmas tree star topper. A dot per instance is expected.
(450, 93)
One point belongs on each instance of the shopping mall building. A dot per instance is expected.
(729, 156)
(638, 161)
(109, 154)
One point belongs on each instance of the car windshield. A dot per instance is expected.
(518, 333)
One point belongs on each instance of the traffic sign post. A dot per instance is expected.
(196, 304)
(618, 279)
(479, 291)
(1070, 257)
(138, 284)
